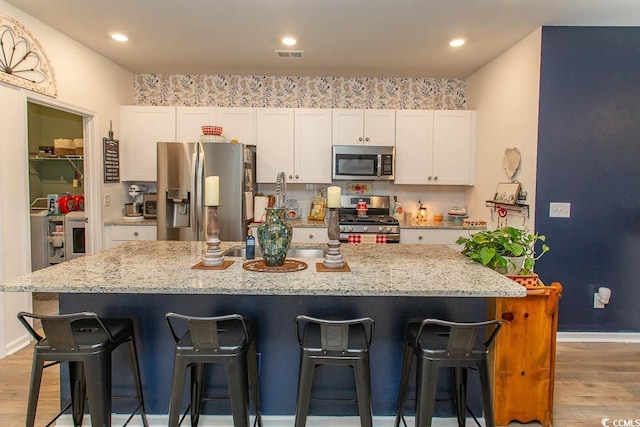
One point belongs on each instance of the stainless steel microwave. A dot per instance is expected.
(363, 162)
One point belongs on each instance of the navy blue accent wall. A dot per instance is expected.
(589, 155)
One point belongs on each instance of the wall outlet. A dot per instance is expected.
(107, 200)
(559, 210)
(596, 301)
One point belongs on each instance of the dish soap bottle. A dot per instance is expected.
(250, 249)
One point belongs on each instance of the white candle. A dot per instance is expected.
(212, 191)
(333, 197)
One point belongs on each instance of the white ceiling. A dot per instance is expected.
(366, 38)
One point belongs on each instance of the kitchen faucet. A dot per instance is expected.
(281, 190)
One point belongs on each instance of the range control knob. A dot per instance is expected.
(380, 228)
(365, 228)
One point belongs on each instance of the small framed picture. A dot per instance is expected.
(507, 192)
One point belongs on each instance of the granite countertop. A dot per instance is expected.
(128, 222)
(164, 267)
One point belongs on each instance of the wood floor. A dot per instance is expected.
(593, 381)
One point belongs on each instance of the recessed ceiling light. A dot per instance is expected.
(119, 37)
(289, 41)
(457, 42)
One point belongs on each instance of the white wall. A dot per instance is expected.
(84, 79)
(505, 93)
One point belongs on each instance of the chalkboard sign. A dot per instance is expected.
(111, 159)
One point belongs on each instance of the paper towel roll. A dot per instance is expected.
(259, 208)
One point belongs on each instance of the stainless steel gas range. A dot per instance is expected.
(377, 226)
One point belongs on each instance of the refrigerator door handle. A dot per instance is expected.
(194, 191)
(199, 184)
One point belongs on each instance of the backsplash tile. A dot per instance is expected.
(190, 90)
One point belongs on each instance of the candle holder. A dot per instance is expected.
(333, 258)
(213, 255)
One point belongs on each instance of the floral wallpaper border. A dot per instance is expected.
(190, 90)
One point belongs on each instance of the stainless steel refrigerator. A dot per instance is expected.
(182, 168)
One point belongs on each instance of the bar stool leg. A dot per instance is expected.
(254, 384)
(34, 389)
(363, 390)
(133, 356)
(177, 389)
(197, 384)
(239, 390)
(404, 381)
(427, 385)
(460, 380)
(305, 380)
(78, 388)
(99, 388)
(487, 396)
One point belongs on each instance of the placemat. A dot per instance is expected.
(225, 264)
(320, 268)
(290, 265)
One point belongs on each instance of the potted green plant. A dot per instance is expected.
(508, 250)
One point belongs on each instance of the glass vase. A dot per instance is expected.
(274, 236)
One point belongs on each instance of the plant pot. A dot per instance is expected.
(514, 265)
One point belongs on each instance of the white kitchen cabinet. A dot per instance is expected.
(312, 147)
(237, 123)
(141, 129)
(294, 141)
(435, 147)
(363, 127)
(303, 235)
(310, 235)
(274, 140)
(431, 236)
(117, 234)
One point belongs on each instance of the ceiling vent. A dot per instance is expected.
(289, 53)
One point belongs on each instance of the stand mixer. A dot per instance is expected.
(136, 192)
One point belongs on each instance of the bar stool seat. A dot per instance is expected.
(86, 342)
(223, 339)
(334, 342)
(439, 344)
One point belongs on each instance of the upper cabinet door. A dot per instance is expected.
(274, 141)
(141, 129)
(414, 147)
(348, 126)
(454, 142)
(238, 123)
(189, 122)
(380, 127)
(363, 127)
(312, 146)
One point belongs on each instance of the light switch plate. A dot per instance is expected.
(559, 210)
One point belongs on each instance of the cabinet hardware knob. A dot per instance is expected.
(366, 139)
(297, 176)
(420, 237)
(311, 236)
(508, 316)
(435, 178)
(429, 177)
(360, 139)
(290, 176)
(135, 233)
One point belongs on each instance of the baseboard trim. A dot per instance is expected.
(269, 421)
(17, 344)
(621, 337)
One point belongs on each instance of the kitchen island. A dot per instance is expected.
(390, 283)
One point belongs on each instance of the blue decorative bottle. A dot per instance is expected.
(250, 248)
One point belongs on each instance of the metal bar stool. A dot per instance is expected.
(86, 342)
(334, 342)
(439, 344)
(223, 339)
